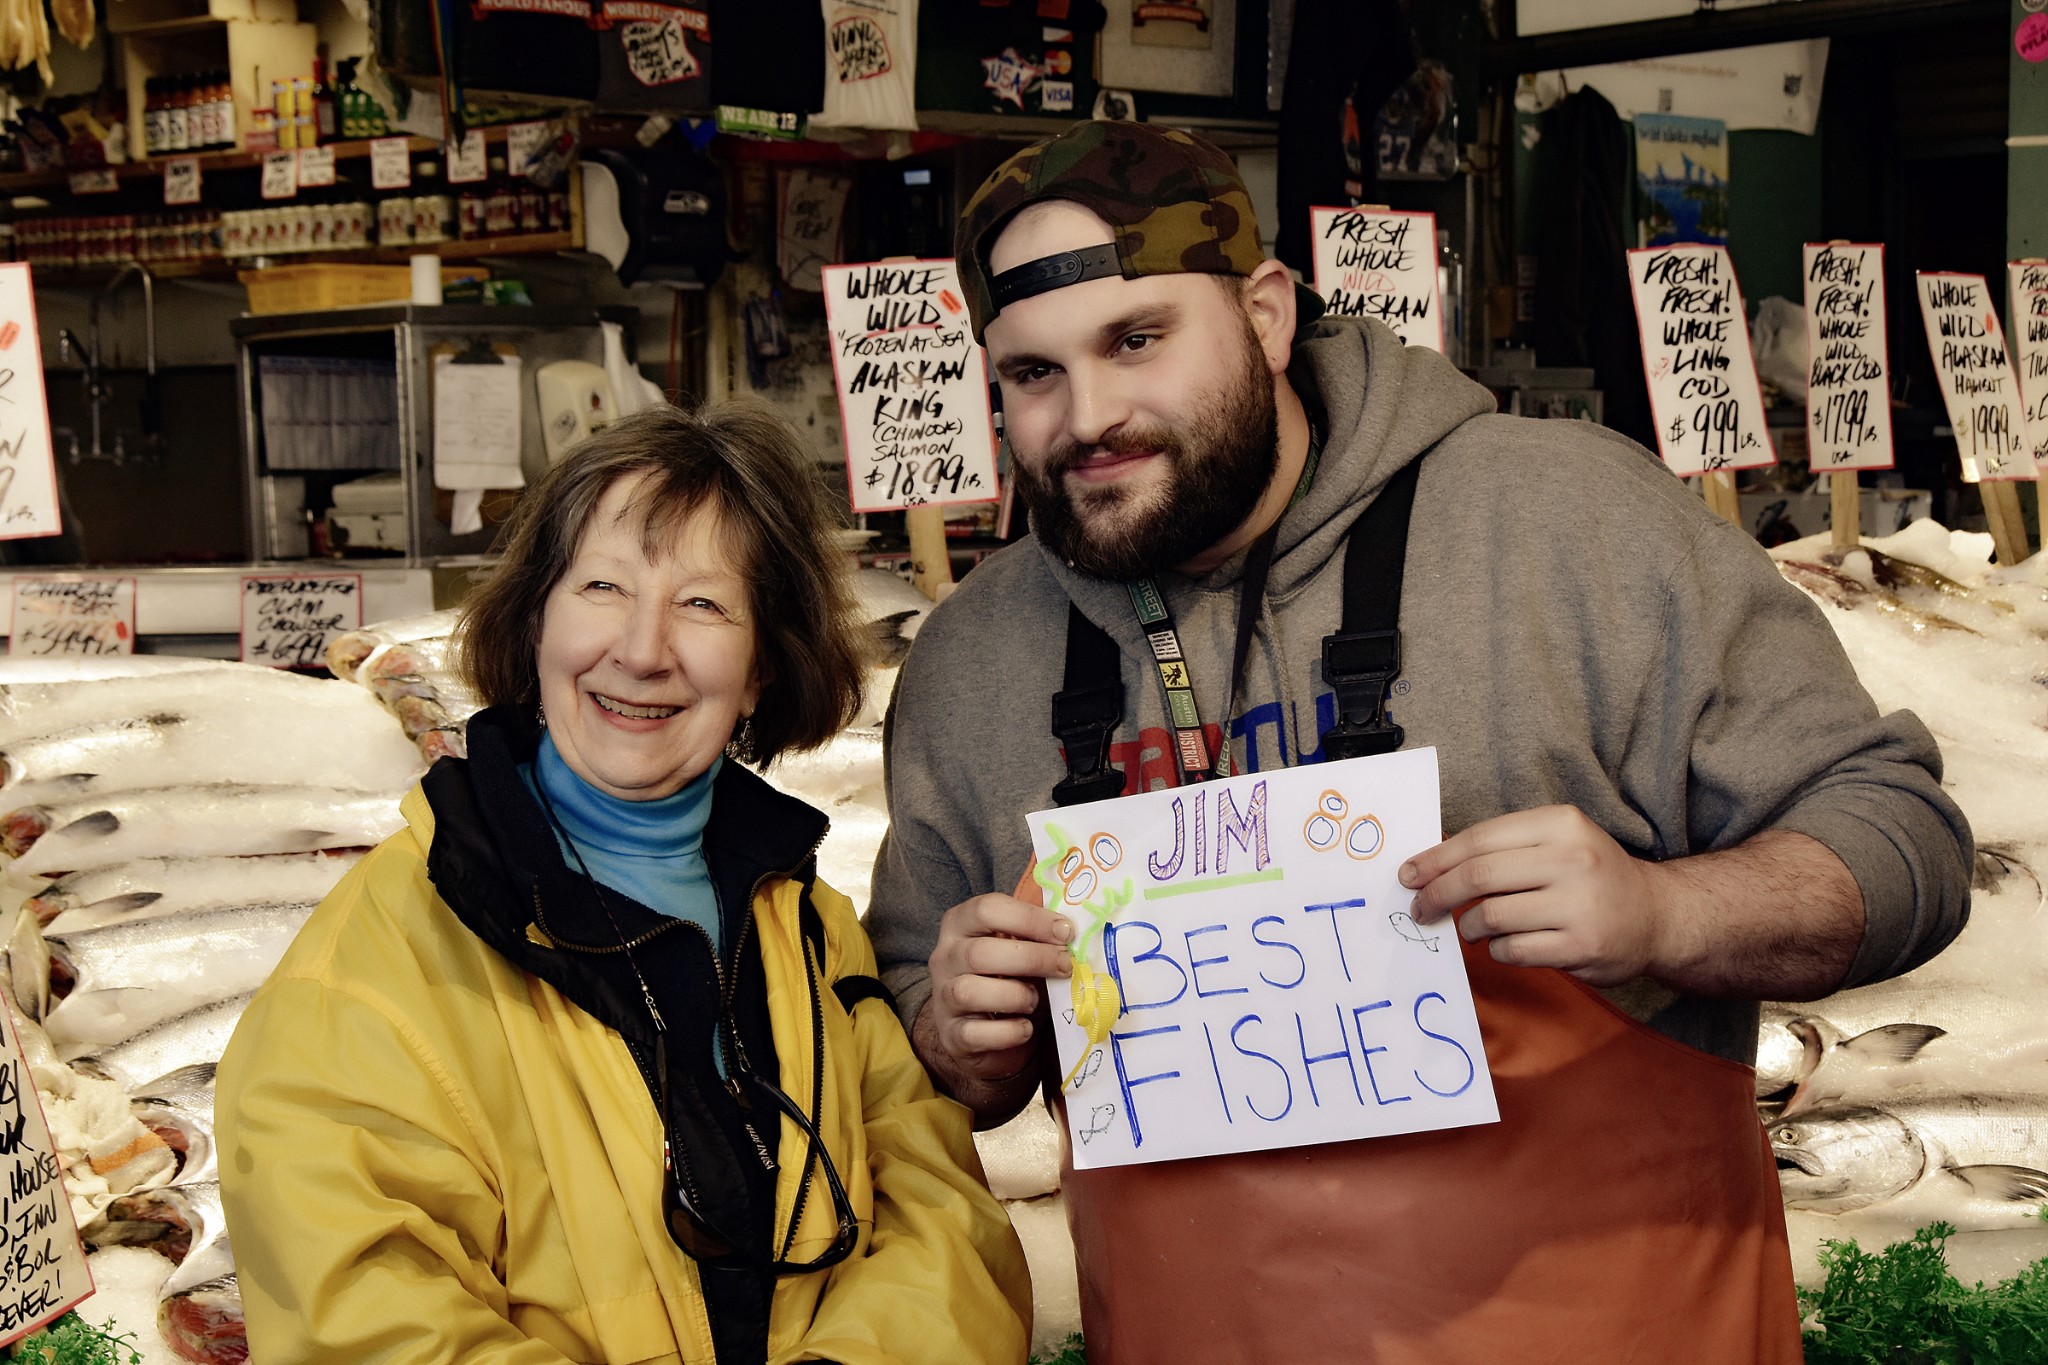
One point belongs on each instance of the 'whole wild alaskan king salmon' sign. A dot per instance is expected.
(1247, 975)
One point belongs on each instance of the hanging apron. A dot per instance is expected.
(1625, 1209)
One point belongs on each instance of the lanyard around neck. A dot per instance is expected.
(1156, 618)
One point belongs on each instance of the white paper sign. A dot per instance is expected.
(280, 175)
(1703, 390)
(73, 614)
(476, 424)
(1274, 990)
(1848, 394)
(101, 181)
(913, 386)
(181, 180)
(1380, 264)
(1974, 369)
(288, 620)
(467, 161)
(522, 141)
(28, 471)
(390, 163)
(42, 1265)
(2029, 280)
(316, 165)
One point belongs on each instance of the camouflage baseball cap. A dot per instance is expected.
(1175, 203)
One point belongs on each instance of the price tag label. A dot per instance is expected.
(316, 165)
(522, 142)
(39, 1241)
(181, 180)
(73, 614)
(280, 175)
(466, 160)
(1696, 356)
(288, 620)
(94, 182)
(390, 163)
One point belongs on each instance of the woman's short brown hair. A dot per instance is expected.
(748, 466)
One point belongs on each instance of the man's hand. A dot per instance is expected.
(976, 1032)
(1777, 917)
(1550, 888)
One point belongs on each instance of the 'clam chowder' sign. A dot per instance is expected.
(1247, 975)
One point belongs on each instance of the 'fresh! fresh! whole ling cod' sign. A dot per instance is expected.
(1703, 391)
(1247, 975)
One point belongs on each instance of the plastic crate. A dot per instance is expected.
(311, 288)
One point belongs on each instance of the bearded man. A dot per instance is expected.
(1667, 795)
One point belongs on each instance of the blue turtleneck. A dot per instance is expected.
(652, 851)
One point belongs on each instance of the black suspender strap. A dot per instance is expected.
(1361, 661)
(1085, 713)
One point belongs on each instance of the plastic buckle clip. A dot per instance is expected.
(1083, 720)
(1360, 668)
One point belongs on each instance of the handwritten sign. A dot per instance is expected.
(467, 162)
(101, 181)
(2029, 281)
(913, 386)
(73, 614)
(1848, 393)
(523, 142)
(1974, 369)
(43, 1272)
(181, 180)
(1380, 264)
(280, 175)
(659, 53)
(1246, 958)
(390, 163)
(316, 166)
(287, 619)
(28, 470)
(1703, 391)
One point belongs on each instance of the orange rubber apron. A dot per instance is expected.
(1624, 1209)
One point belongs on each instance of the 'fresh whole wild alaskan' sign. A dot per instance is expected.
(913, 386)
(1703, 390)
(1246, 972)
(1974, 369)
(1381, 264)
(2029, 280)
(1848, 393)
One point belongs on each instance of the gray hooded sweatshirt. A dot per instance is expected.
(1576, 628)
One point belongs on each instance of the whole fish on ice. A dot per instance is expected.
(150, 888)
(198, 821)
(78, 755)
(1974, 1160)
(195, 1038)
(1805, 1061)
(178, 1108)
(109, 985)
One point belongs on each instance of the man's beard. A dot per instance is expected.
(1218, 465)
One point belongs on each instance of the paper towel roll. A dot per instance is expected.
(426, 279)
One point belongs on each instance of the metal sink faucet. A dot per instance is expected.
(96, 386)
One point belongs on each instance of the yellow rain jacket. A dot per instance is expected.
(429, 1155)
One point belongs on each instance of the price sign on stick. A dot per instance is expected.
(181, 180)
(1848, 395)
(43, 1273)
(73, 614)
(1976, 375)
(288, 620)
(467, 159)
(390, 163)
(1381, 264)
(280, 175)
(316, 165)
(2029, 281)
(28, 471)
(913, 386)
(1247, 975)
(1704, 395)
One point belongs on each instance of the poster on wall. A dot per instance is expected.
(1380, 264)
(1848, 389)
(1704, 394)
(1247, 975)
(913, 386)
(1975, 372)
(810, 224)
(1681, 179)
(1180, 47)
(1771, 85)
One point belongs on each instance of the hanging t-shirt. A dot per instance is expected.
(870, 64)
(771, 55)
(653, 55)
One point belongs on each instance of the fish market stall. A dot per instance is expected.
(1925, 1098)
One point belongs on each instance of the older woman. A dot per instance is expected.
(581, 1066)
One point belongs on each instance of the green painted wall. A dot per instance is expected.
(2026, 232)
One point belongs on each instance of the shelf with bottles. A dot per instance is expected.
(351, 149)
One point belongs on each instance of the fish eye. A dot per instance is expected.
(1788, 1135)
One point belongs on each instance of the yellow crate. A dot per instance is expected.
(310, 288)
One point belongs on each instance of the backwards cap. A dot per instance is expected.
(1174, 203)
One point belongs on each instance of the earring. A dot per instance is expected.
(540, 714)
